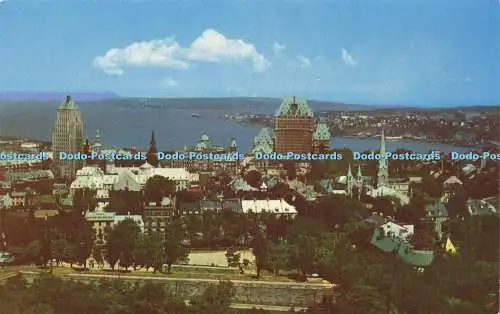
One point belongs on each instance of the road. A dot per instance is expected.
(274, 283)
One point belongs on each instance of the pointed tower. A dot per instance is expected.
(152, 156)
(233, 146)
(359, 180)
(86, 147)
(383, 169)
(349, 181)
(97, 142)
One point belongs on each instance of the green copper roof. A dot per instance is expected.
(68, 104)
(204, 143)
(264, 136)
(263, 142)
(326, 185)
(408, 255)
(417, 257)
(322, 132)
(295, 107)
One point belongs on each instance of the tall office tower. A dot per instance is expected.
(294, 126)
(67, 138)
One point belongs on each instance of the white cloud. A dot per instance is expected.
(211, 46)
(277, 47)
(347, 58)
(169, 83)
(304, 61)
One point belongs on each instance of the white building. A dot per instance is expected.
(93, 178)
(280, 207)
(384, 191)
(392, 229)
(134, 179)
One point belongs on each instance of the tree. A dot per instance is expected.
(278, 256)
(384, 205)
(97, 255)
(62, 249)
(121, 244)
(457, 205)
(412, 213)
(259, 250)
(216, 299)
(253, 178)
(175, 248)
(157, 187)
(82, 240)
(85, 199)
(431, 186)
(149, 251)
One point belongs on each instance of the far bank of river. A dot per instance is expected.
(364, 144)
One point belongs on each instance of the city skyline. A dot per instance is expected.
(412, 53)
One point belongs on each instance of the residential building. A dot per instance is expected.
(157, 216)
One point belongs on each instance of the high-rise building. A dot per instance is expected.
(294, 125)
(67, 138)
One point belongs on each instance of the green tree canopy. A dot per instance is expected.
(157, 187)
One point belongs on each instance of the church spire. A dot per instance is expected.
(359, 172)
(153, 141)
(383, 171)
(382, 142)
(349, 172)
(152, 156)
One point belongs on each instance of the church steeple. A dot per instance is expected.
(383, 171)
(153, 141)
(349, 181)
(152, 156)
(86, 147)
(349, 172)
(97, 141)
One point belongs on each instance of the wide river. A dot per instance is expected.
(174, 128)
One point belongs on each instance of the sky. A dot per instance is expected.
(401, 52)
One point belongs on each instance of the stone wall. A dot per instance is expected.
(245, 292)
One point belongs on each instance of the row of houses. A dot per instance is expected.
(155, 217)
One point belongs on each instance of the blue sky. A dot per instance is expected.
(421, 52)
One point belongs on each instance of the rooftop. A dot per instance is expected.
(294, 107)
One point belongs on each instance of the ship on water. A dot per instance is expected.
(195, 115)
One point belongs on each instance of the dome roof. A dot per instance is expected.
(205, 137)
(233, 143)
(322, 132)
(294, 106)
